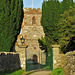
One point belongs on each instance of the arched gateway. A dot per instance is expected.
(31, 31)
(35, 57)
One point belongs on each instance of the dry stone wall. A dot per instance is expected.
(69, 64)
(9, 61)
(66, 61)
(59, 60)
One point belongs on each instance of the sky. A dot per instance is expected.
(36, 3)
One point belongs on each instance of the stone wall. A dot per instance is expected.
(59, 60)
(66, 61)
(69, 63)
(22, 55)
(9, 61)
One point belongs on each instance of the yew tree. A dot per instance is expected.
(11, 15)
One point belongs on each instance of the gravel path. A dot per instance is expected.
(41, 73)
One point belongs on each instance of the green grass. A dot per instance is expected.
(58, 71)
(17, 72)
(48, 68)
(27, 73)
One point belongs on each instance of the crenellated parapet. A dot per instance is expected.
(32, 11)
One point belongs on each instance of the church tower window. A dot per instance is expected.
(33, 20)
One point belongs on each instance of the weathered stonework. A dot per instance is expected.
(69, 65)
(9, 61)
(22, 55)
(66, 61)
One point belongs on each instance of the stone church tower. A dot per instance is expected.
(31, 28)
(31, 31)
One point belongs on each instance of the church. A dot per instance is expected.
(31, 30)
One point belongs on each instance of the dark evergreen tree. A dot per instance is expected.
(67, 30)
(50, 18)
(10, 23)
(65, 5)
(51, 11)
(71, 3)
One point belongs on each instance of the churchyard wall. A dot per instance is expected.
(9, 61)
(66, 61)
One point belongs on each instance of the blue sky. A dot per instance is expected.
(36, 3)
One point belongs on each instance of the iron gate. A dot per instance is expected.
(38, 60)
(32, 60)
(47, 62)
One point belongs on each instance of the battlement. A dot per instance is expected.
(32, 11)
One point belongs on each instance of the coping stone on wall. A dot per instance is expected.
(56, 46)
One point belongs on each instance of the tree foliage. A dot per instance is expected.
(67, 30)
(43, 44)
(11, 15)
(51, 11)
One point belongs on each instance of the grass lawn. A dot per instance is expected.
(24, 73)
(58, 71)
(17, 72)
